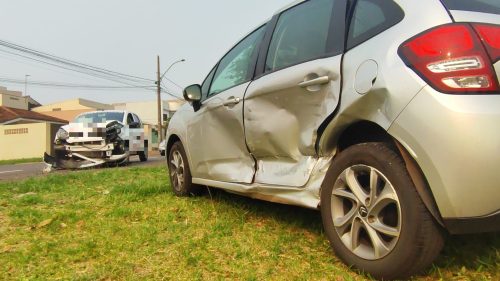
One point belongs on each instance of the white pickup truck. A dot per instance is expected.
(98, 138)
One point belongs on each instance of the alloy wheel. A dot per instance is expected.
(177, 170)
(366, 212)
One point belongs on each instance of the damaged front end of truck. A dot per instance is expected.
(87, 145)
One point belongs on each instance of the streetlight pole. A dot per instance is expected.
(26, 84)
(158, 88)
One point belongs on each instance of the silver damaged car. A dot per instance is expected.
(382, 117)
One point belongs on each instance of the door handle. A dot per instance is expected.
(232, 101)
(314, 82)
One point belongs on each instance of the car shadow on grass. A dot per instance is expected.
(304, 218)
(462, 254)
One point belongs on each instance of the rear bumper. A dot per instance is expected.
(455, 139)
(489, 223)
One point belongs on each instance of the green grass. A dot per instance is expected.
(125, 224)
(20, 161)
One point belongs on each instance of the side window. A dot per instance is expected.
(301, 34)
(130, 119)
(205, 87)
(370, 18)
(136, 118)
(235, 67)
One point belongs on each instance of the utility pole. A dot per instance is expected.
(158, 86)
(160, 111)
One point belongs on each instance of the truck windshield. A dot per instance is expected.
(99, 117)
(483, 6)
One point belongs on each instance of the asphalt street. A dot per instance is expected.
(24, 171)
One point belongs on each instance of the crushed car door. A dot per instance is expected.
(216, 132)
(296, 91)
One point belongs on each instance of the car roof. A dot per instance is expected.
(294, 3)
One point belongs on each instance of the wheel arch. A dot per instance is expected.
(367, 131)
(171, 141)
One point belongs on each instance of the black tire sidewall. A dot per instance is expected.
(393, 169)
(143, 156)
(186, 189)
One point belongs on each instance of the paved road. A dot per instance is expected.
(24, 171)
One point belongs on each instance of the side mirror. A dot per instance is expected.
(193, 93)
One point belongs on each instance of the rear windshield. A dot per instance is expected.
(99, 117)
(483, 6)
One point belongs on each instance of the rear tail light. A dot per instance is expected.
(452, 59)
(491, 38)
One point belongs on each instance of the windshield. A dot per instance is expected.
(483, 6)
(99, 117)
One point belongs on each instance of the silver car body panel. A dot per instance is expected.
(376, 87)
(282, 119)
(294, 3)
(307, 196)
(461, 151)
(219, 127)
(466, 16)
(388, 84)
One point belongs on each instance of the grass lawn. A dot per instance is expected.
(125, 224)
(21, 161)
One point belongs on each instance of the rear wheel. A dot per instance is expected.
(143, 155)
(373, 216)
(180, 174)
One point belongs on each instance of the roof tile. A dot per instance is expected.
(8, 114)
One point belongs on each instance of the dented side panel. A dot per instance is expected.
(282, 119)
(216, 139)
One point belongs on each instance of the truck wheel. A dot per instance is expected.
(373, 216)
(180, 174)
(143, 155)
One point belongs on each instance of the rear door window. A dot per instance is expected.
(482, 6)
(301, 34)
(370, 18)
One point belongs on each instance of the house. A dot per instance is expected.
(14, 99)
(26, 134)
(68, 110)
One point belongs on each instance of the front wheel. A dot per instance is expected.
(180, 174)
(373, 216)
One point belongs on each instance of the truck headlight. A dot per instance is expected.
(62, 134)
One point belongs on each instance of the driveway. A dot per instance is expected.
(24, 171)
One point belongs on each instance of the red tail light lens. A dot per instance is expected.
(490, 34)
(452, 59)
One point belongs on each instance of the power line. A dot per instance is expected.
(70, 65)
(69, 62)
(69, 85)
(47, 84)
(67, 68)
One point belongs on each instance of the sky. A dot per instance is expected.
(123, 36)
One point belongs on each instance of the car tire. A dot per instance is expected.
(143, 155)
(391, 235)
(180, 173)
